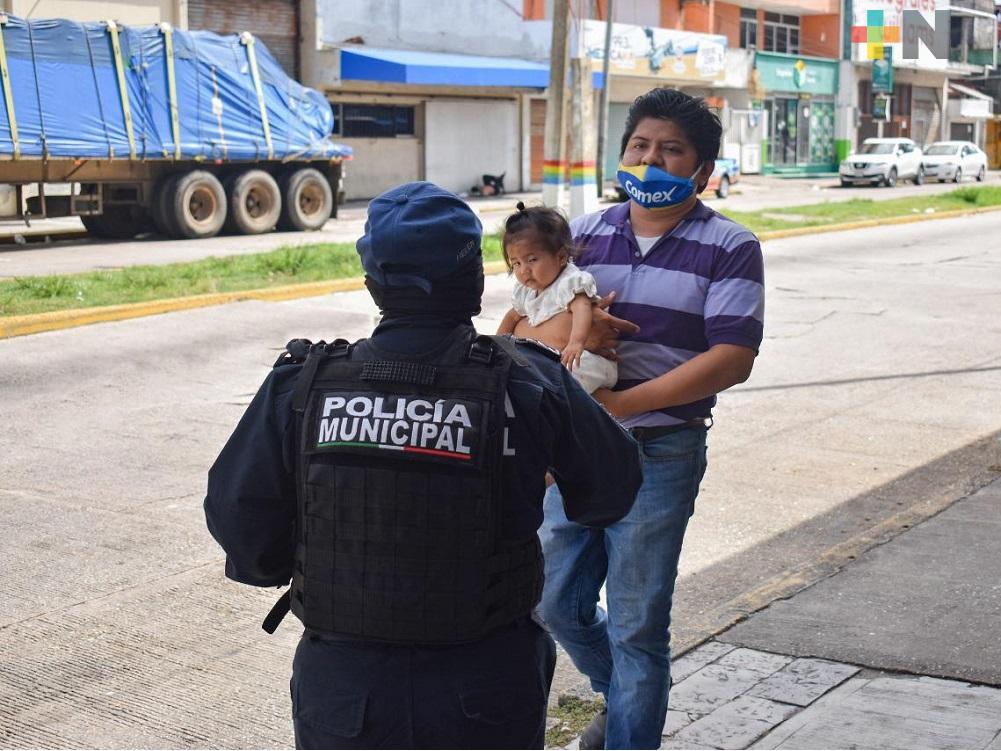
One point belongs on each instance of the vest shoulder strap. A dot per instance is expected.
(339, 348)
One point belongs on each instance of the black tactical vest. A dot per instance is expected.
(399, 496)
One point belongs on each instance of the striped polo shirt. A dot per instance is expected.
(701, 284)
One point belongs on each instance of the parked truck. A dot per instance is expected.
(187, 132)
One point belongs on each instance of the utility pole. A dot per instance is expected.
(603, 110)
(554, 189)
(583, 143)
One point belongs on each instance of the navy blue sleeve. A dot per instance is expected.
(250, 507)
(596, 463)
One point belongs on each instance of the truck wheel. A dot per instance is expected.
(254, 202)
(163, 196)
(307, 200)
(196, 205)
(116, 223)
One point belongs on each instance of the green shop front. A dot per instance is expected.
(798, 99)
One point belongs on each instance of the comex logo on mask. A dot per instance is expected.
(653, 188)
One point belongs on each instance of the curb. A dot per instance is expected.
(833, 559)
(63, 319)
(41, 237)
(36, 323)
(779, 234)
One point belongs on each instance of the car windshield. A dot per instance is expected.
(938, 149)
(878, 148)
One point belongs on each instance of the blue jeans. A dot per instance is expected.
(626, 652)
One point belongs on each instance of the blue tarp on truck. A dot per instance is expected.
(66, 95)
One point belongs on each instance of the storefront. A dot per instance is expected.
(798, 102)
(643, 57)
(448, 118)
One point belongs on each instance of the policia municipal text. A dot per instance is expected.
(397, 483)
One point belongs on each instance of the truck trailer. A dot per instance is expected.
(185, 132)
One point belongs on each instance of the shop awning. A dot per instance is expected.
(444, 69)
(968, 92)
(440, 69)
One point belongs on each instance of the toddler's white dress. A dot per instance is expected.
(595, 372)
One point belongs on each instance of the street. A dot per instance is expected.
(876, 387)
(752, 193)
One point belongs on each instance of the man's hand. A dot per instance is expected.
(606, 328)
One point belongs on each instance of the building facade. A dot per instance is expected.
(920, 93)
(449, 90)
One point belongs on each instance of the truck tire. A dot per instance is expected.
(116, 223)
(160, 205)
(254, 201)
(307, 200)
(196, 206)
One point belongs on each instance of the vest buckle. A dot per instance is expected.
(482, 350)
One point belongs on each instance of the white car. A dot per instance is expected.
(882, 161)
(953, 160)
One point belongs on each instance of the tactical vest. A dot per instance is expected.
(400, 497)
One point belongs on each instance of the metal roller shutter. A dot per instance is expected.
(274, 22)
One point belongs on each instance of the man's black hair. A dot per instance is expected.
(690, 113)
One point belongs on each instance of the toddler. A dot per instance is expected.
(552, 297)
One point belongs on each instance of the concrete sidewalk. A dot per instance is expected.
(899, 649)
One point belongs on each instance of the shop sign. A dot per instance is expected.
(651, 52)
(882, 72)
(806, 75)
(881, 108)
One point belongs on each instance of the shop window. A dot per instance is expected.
(372, 120)
(748, 28)
(782, 33)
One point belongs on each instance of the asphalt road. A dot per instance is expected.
(71, 256)
(876, 387)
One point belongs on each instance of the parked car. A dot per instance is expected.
(953, 160)
(883, 161)
(727, 172)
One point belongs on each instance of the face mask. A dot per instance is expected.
(653, 188)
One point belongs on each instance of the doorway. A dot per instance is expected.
(785, 116)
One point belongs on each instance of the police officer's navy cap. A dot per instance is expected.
(416, 233)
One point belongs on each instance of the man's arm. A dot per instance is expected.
(250, 507)
(596, 463)
(709, 373)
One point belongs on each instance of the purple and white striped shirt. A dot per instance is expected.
(700, 285)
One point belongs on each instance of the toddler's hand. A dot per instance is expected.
(571, 356)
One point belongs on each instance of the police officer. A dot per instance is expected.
(397, 483)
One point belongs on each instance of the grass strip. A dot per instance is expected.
(861, 209)
(135, 284)
(326, 261)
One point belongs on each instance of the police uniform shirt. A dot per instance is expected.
(551, 423)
